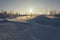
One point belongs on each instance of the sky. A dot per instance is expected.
(27, 4)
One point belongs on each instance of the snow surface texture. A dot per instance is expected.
(38, 28)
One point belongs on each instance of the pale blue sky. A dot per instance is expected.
(26, 4)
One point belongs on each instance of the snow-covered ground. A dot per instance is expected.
(21, 18)
(14, 29)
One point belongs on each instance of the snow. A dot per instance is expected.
(33, 29)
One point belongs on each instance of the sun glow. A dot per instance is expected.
(30, 10)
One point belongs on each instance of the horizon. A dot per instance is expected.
(24, 6)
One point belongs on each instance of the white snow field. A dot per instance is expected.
(18, 29)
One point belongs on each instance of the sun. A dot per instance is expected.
(30, 10)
